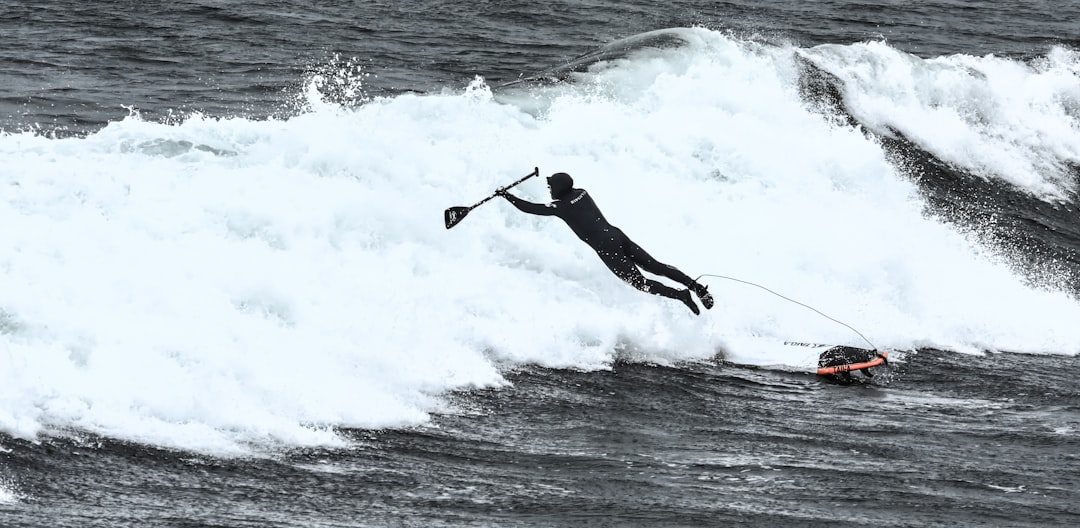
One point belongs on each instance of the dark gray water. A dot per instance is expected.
(943, 439)
(952, 440)
(75, 66)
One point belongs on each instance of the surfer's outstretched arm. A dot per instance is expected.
(526, 206)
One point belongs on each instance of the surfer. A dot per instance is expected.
(621, 255)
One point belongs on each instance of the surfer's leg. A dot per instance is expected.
(624, 268)
(642, 258)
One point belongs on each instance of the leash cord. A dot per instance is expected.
(872, 346)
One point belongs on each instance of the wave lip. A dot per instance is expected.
(995, 117)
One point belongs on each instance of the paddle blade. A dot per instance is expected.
(454, 215)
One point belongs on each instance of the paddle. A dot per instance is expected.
(454, 215)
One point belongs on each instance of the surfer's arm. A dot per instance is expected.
(526, 206)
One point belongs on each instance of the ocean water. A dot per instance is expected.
(227, 297)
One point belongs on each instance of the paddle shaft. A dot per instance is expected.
(454, 215)
(535, 172)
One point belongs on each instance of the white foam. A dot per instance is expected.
(992, 116)
(222, 284)
(8, 493)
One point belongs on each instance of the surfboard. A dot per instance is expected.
(842, 359)
(840, 363)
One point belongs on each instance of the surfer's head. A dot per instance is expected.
(559, 184)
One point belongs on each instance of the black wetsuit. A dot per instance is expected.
(621, 255)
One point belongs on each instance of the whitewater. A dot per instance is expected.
(231, 285)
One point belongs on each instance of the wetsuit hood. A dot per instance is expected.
(559, 183)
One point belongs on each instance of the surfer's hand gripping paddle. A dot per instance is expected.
(454, 215)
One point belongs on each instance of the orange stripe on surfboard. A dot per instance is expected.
(825, 371)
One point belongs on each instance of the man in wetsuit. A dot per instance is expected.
(621, 255)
